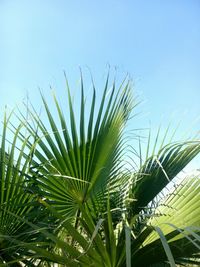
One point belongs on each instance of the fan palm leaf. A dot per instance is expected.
(170, 237)
(15, 200)
(177, 216)
(110, 216)
(92, 158)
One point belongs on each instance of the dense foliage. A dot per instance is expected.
(69, 197)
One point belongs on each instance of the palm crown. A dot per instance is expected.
(100, 212)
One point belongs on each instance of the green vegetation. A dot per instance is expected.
(69, 198)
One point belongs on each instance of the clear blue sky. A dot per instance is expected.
(157, 42)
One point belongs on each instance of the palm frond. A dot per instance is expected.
(158, 170)
(91, 157)
(178, 218)
(15, 199)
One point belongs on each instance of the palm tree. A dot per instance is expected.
(109, 214)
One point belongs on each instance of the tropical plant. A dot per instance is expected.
(107, 213)
(17, 205)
